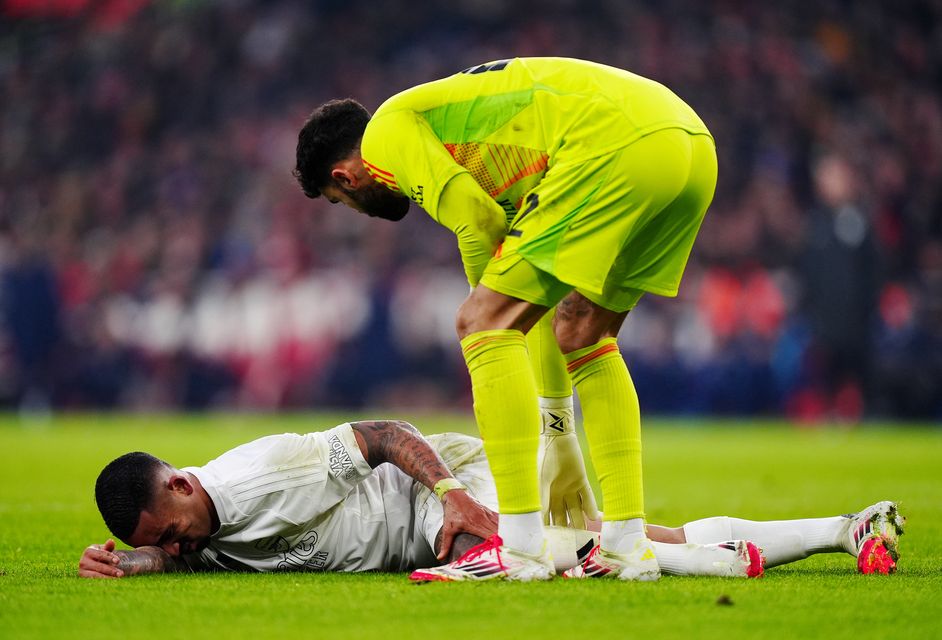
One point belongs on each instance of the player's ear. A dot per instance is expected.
(343, 177)
(349, 173)
(180, 483)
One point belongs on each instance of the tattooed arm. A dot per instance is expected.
(401, 444)
(102, 561)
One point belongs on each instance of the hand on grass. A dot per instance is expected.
(464, 514)
(100, 561)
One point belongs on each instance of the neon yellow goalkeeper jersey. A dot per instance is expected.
(506, 122)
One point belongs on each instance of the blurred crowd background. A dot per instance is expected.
(155, 252)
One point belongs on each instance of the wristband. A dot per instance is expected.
(445, 485)
(558, 416)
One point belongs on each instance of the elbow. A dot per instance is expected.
(391, 437)
(378, 438)
(402, 425)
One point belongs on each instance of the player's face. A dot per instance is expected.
(179, 524)
(371, 198)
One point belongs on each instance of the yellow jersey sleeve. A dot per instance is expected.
(476, 220)
(400, 151)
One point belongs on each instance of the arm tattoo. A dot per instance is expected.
(148, 560)
(401, 444)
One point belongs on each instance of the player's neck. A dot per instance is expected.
(208, 501)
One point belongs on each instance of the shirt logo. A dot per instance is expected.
(533, 201)
(303, 556)
(555, 422)
(339, 460)
(275, 544)
(510, 211)
(497, 65)
(417, 193)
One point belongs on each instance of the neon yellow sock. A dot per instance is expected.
(612, 421)
(508, 418)
(549, 366)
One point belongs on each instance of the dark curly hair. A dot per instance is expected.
(331, 132)
(125, 488)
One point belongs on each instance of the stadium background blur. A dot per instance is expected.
(155, 252)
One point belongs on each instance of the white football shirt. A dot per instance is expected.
(311, 502)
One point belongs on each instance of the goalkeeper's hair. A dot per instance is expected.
(124, 489)
(331, 133)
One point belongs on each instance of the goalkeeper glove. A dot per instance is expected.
(567, 498)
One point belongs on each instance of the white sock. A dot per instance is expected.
(781, 541)
(691, 559)
(619, 536)
(522, 531)
(673, 558)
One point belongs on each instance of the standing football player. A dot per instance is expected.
(569, 184)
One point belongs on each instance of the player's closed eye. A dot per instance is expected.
(166, 537)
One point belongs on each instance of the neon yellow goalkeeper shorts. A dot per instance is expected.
(612, 228)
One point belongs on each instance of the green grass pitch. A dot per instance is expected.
(692, 470)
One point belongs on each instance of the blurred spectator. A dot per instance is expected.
(30, 304)
(840, 274)
(156, 252)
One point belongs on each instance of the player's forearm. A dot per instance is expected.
(148, 560)
(401, 444)
(477, 221)
(475, 253)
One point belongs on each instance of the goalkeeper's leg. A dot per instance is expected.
(586, 332)
(553, 384)
(491, 326)
(566, 495)
(506, 410)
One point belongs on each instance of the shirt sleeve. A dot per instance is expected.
(400, 150)
(476, 219)
(346, 466)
